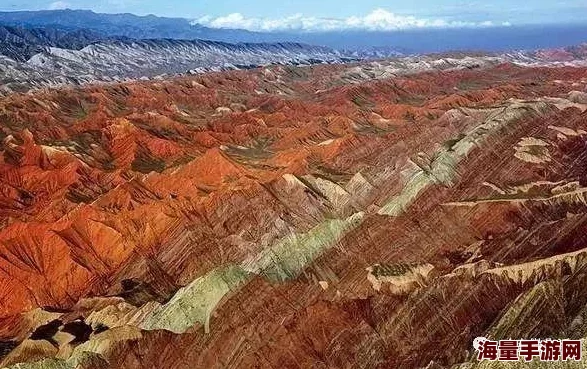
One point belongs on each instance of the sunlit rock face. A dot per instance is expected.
(330, 216)
(83, 57)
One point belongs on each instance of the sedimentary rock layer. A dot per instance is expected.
(333, 216)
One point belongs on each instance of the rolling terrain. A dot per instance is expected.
(378, 214)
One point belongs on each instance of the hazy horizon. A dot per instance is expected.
(308, 16)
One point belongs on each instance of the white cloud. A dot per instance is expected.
(377, 20)
(58, 5)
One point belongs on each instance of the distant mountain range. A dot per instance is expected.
(128, 25)
(94, 59)
(407, 42)
(54, 48)
(112, 59)
(21, 44)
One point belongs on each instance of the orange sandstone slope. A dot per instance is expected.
(292, 217)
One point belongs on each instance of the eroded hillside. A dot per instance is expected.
(334, 216)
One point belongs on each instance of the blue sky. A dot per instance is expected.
(312, 15)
